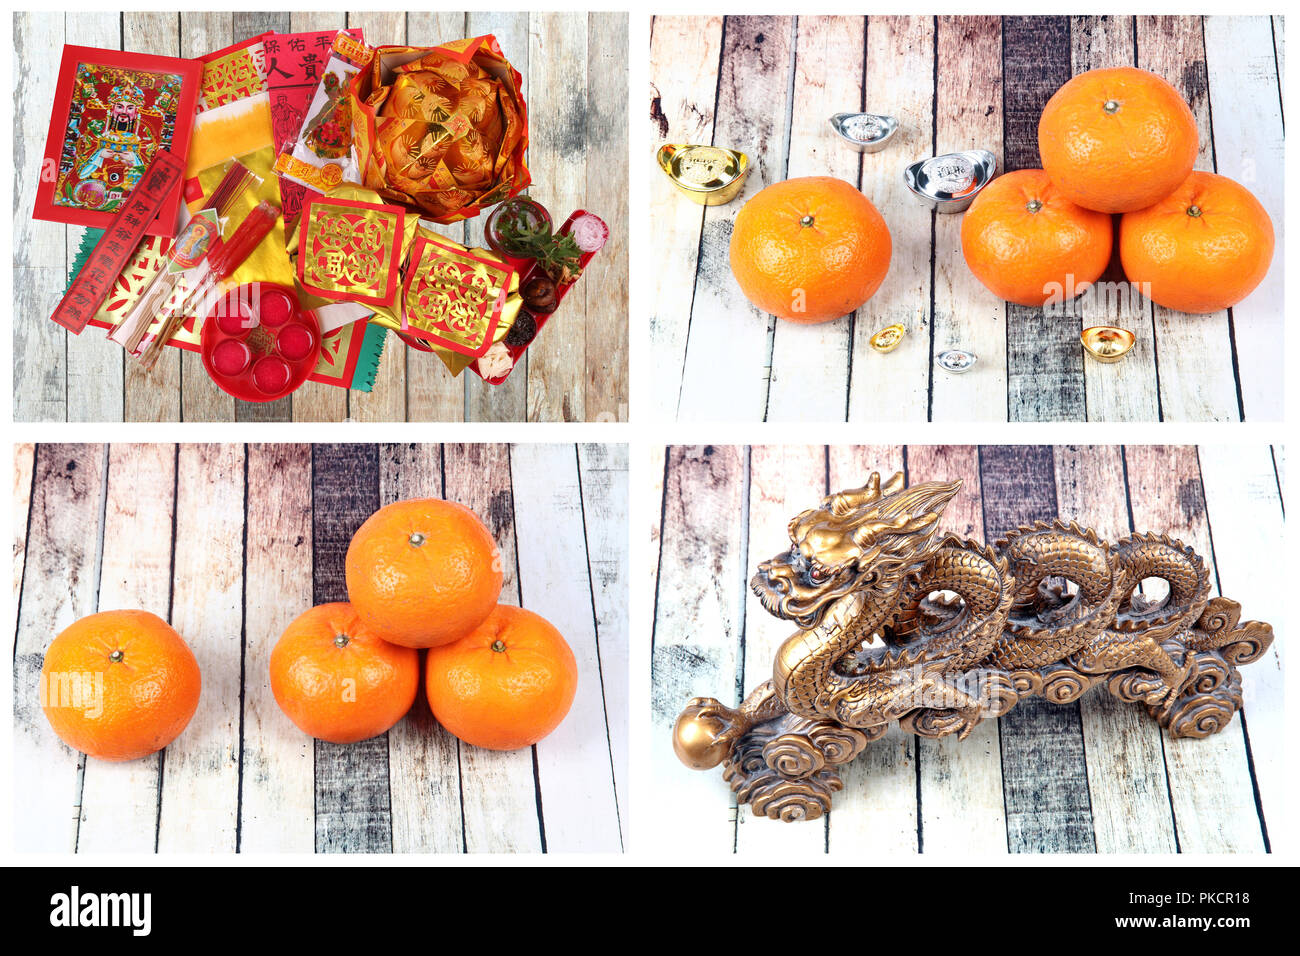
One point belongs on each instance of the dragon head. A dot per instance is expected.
(865, 539)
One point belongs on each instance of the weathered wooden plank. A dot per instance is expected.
(119, 801)
(725, 374)
(1127, 390)
(40, 254)
(498, 790)
(200, 786)
(968, 115)
(153, 396)
(507, 402)
(386, 402)
(603, 471)
(24, 467)
(900, 75)
(574, 763)
(95, 365)
(876, 811)
(605, 285)
(1244, 511)
(658, 466)
(783, 481)
(960, 781)
(278, 781)
(1197, 382)
(698, 630)
(1127, 783)
(1044, 362)
(810, 363)
(1246, 114)
(423, 774)
(1209, 780)
(1279, 51)
(557, 63)
(1043, 768)
(353, 811)
(60, 579)
(684, 57)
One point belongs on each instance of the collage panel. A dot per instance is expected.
(405, 202)
(349, 648)
(968, 651)
(1001, 219)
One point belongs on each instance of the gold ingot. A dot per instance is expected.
(888, 338)
(709, 175)
(1107, 343)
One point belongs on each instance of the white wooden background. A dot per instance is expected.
(1094, 776)
(955, 83)
(575, 82)
(231, 543)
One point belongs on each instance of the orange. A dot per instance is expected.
(119, 685)
(809, 249)
(1201, 249)
(423, 572)
(337, 681)
(1028, 243)
(505, 685)
(1117, 140)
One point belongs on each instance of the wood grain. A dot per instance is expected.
(959, 781)
(1197, 382)
(1210, 785)
(804, 352)
(966, 315)
(499, 794)
(725, 375)
(120, 801)
(353, 812)
(1044, 774)
(60, 578)
(277, 792)
(698, 639)
(574, 763)
(200, 785)
(1044, 362)
(1127, 784)
(879, 812)
(682, 110)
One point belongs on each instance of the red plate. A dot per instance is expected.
(258, 343)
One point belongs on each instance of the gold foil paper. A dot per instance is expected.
(444, 130)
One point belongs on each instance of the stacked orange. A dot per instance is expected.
(426, 573)
(1118, 141)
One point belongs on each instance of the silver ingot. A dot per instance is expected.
(950, 183)
(956, 361)
(865, 132)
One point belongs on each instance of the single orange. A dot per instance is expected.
(809, 249)
(423, 572)
(1029, 244)
(339, 682)
(1117, 140)
(119, 685)
(1203, 248)
(505, 685)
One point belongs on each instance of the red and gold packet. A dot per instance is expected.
(350, 250)
(454, 297)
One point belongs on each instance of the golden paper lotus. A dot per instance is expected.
(442, 129)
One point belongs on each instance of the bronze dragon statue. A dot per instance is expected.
(895, 626)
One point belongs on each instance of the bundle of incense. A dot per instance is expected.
(219, 266)
(149, 306)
